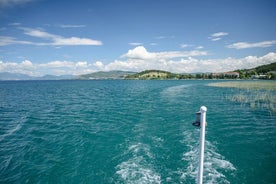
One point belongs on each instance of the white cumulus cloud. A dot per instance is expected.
(25, 67)
(140, 59)
(59, 41)
(49, 68)
(81, 64)
(99, 64)
(246, 45)
(179, 54)
(140, 52)
(191, 64)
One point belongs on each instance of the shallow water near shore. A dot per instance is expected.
(120, 131)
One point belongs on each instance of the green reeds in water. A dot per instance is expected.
(256, 99)
(257, 94)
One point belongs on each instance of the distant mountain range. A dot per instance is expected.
(17, 76)
(268, 70)
(105, 75)
(14, 76)
(91, 76)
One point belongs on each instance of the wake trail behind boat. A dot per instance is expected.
(138, 168)
(215, 165)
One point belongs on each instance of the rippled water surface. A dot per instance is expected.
(115, 131)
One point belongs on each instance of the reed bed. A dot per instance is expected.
(265, 85)
(257, 94)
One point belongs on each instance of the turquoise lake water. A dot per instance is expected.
(118, 131)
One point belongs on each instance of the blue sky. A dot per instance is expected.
(39, 37)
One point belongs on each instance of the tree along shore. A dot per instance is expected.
(163, 75)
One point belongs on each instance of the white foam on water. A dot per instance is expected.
(137, 169)
(134, 171)
(191, 157)
(140, 149)
(214, 163)
(174, 90)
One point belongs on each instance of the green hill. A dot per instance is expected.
(267, 71)
(266, 68)
(154, 74)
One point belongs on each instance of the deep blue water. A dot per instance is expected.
(118, 131)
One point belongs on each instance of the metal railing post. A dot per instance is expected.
(203, 111)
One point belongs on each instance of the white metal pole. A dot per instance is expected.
(203, 111)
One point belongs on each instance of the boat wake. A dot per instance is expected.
(138, 169)
(215, 165)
